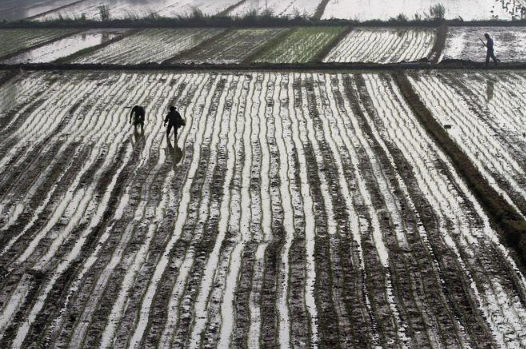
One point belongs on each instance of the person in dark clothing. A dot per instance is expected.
(138, 115)
(489, 53)
(174, 120)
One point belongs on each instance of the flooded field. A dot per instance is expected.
(65, 46)
(465, 43)
(362, 10)
(294, 210)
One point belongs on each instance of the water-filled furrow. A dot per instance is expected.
(65, 211)
(262, 227)
(219, 326)
(466, 229)
(149, 324)
(343, 129)
(123, 249)
(144, 191)
(190, 251)
(381, 293)
(23, 285)
(344, 214)
(30, 148)
(387, 116)
(270, 322)
(303, 322)
(303, 103)
(98, 216)
(172, 241)
(444, 112)
(236, 297)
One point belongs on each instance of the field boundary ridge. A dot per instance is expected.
(505, 219)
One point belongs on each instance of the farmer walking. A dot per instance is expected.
(489, 52)
(138, 115)
(174, 120)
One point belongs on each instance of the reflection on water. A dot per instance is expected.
(13, 10)
(8, 97)
(490, 87)
(65, 47)
(138, 134)
(174, 154)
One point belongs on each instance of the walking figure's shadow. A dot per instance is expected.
(138, 135)
(174, 154)
(490, 89)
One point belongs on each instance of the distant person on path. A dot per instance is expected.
(138, 115)
(174, 120)
(489, 52)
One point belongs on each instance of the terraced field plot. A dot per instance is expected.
(301, 46)
(14, 40)
(383, 45)
(468, 10)
(235, 46)
(280, 8)
(12, 10)
(66, 46)
(465, 43)
(485, 117)
(296, 209)
(118, 9)
(149, 46)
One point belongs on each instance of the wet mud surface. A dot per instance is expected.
(295, 210)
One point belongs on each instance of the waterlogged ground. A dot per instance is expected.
(154, 45)
(465, 43)
(467, 10)
(362, 10)
(14, 40)
(66, 46)
(485, 117)
(120, 9)
(383, 45)
(302, 45)
(295, 210)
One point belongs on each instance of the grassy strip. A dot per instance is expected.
(268, 46)
(189, 52)
(505, 219)
(251, 19)
(320, 10)
(320, 55)
(230, 8)
(440, 43)
(269, 67)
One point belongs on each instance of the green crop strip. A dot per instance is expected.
(302, 45)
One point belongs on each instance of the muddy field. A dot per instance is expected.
(295, 210)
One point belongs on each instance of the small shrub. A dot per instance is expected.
(104, 12)
(400, 18)
(197, 13)
(437, 11)
(267, 13)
